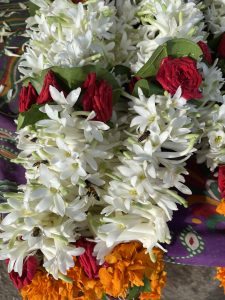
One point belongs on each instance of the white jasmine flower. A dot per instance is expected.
(215, 16)
(212, 82)
(64, 34)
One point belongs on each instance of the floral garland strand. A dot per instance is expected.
(105, 158)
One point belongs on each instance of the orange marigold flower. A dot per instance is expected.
(221, 277)
(221, 207)
(45, 287)
(85, 288)
(128, 265)
(157, 278)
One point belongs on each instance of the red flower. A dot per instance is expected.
(206, 52)
(221, 180)
(221, 47)
(27, 97)
(98, 97)
(87, 261)
(132, 83)
(29, 269)
(45, 95)
(175, 72)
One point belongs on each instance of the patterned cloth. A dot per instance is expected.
(198, 233)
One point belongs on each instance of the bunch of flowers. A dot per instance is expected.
(116, 98)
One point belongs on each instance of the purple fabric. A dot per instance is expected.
(198, 233)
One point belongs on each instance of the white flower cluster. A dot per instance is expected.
(212, 148)
(126, 34)
(64, 34)
(212, 82)
(140, 200)
(163, 20)
(62, 155)
(215, 16)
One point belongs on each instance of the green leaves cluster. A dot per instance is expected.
(178, 47)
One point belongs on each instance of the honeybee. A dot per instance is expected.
(144, 136)
(91, 191)
(37, 164)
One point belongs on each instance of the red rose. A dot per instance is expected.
(221, 47)
(206, 52)
(87, 261)
(221, 180)
(98, 97)
(27, 97)
(29, 269)
(175, 72)
(132, 83)
(45, 95)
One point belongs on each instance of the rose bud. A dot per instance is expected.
(132, 83)
(221, 47)
(45, 95)
(29, 269)
(27, 97)
(206, 52)
(180, 72)
(97, 97)
(87, 261)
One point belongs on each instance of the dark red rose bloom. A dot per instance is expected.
(27, 97)
(87, 261)
(221, 180)
(97, 97)
(175, 72)
(206, 52)
(29, 269)
(45, 95)
(221, 47)
(132, 83)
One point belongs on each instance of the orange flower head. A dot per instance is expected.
(127, 266)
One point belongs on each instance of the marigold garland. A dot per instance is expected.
(125, 267)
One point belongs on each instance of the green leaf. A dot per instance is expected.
(104, 297)
(183, 47)
(148, 89)
(121, 70)
(147, 286)
(30, 117)
(32, 8)
(133, 292)
(143, 85)
(152, 65)
(36, 81)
